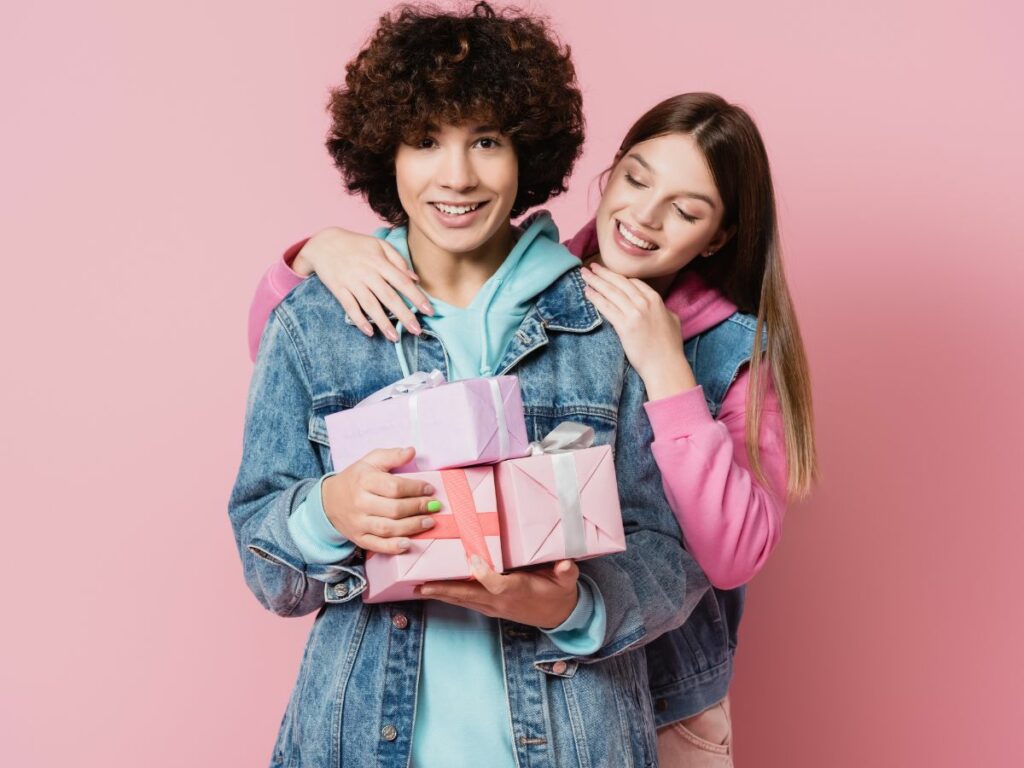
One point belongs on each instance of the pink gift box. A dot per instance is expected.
(450, 425)
(536, 500)
(442, 554)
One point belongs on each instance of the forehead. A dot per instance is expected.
(677, 162)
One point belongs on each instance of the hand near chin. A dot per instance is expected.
(651, 334)
(543, 597)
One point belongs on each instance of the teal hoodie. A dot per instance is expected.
(476, 336)
(460, 709)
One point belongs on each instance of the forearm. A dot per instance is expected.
(731, 522)
(273, 482)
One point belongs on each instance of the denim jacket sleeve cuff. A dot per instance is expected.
(317, 539)
(583, 631)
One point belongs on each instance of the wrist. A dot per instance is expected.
(668, 378)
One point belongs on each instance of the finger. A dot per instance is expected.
(407, 287)
(395, 259)
(390, 299)
(494, 582)
(351, 306)
(414, 294)
(608, 290)
(604, 306)
(395, 486)
(623, 285)
(461, 591)
(386, 528)
(383, 546)
(374, 310)
(386, 459)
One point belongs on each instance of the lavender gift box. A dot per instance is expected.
(457, 424)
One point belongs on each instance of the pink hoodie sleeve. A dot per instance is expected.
(276, 283)
(730, 522)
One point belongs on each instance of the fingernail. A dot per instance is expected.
(433, 505)
(427, 308)
(391, 335)
(414, 327)
(366, 329)
(425, 590)
(477, 565)
(427, 523)
(428, 490)
(403, 543)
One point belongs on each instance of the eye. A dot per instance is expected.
(488, 142)
(684, 214)
(633, 182)
(425, 143)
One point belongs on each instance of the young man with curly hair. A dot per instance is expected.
(450, 125)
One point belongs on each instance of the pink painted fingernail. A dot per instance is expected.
(428, 490)
(403, 543)
(427, 523)
(425, 590)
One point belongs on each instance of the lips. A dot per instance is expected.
(457, 215)
(630, 241)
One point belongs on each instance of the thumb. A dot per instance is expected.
(566, 572)
(386, 459)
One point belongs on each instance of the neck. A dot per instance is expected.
(660, 284)
(456, 278)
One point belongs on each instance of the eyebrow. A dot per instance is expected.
(488, 128)
(695, 195)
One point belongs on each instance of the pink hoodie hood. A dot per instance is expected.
(697, 306)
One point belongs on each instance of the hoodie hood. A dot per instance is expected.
(698, 306)
(476, 336)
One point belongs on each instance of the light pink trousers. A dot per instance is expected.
(702, 741)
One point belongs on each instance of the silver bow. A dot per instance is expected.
(414, 382)
(567, 436)
(559, 444)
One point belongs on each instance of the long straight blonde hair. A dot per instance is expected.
(748, 268)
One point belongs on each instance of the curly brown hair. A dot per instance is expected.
(424, 66)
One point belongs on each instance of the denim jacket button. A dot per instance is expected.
(389, 733)
(399, 621)
(340, 590)
(559, 667)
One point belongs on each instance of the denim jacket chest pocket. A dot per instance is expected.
(542, 419)
(323, 406)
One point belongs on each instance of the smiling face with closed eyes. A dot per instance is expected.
(660, 210)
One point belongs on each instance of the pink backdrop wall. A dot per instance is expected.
(156, 156)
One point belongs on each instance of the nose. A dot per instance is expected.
(457, 172)
(646, 211)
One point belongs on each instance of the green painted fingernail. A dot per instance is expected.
(433, 505)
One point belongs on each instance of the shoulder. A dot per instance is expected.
(718, 354)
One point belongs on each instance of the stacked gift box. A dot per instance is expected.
(511, 502)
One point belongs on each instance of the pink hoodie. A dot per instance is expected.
(730, 521)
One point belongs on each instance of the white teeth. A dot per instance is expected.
(631, 238)
(456, 210)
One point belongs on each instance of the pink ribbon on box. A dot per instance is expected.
(465, 522)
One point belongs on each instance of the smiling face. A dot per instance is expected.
(660, 210)
(457, 184)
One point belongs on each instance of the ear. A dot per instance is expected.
(720, 239)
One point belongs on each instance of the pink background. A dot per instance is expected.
(155, 158)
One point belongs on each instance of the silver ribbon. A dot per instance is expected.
(499, 414)
(559, 443)
(414, 382)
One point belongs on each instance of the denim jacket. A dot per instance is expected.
(690, 668)
(354, 701)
